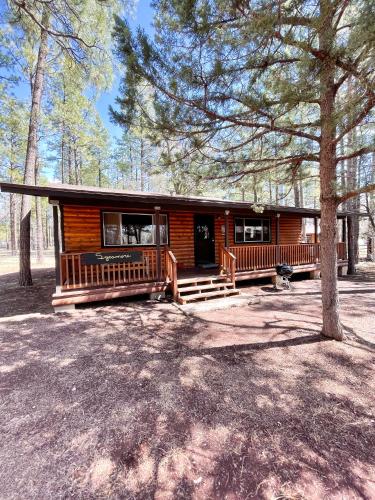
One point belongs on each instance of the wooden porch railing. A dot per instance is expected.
(228, 264)
(171, 271)
(75, 275)
(253, 257)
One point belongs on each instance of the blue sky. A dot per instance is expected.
(143, 18)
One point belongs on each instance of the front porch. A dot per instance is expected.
(157, 271)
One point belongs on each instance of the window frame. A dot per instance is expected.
(122, 245)
(262, 219)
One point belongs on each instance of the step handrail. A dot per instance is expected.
(228, 264)
(171, 271)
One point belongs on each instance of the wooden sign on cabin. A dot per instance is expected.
(90, 259)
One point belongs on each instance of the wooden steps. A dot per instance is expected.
(203, 288)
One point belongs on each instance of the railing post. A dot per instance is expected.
(278, 254)
(171, 269)
(174, 282)
(277, 229)
(56, 238)
(157, 238)
(233, 271)
(226, 228)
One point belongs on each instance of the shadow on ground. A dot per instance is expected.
(139, 400)
(26, 300)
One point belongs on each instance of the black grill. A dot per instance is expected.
(284, 270)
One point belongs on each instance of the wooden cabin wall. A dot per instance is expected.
(290, 229)
(181, 237)
(82, 231)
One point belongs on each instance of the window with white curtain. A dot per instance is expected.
(252, 230)
(132, 229)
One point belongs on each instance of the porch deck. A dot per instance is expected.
(158, 271)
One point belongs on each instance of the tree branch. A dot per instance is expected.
(359, 152)
(351, 194)
(56, 34)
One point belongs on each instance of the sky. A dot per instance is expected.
(143, 18)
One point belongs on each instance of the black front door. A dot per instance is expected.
(204, 232)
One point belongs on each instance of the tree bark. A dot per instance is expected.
(25, 278)
(330, 299)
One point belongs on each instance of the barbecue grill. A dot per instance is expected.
(283, 273)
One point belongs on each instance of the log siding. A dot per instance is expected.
(82, 230)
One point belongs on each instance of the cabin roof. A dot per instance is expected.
(65, 193)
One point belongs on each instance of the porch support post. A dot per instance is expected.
(226, 228)
(278, 257)
(315, 229)
(157, 238)
(351, 251)
(316, 237)
(62, 228)
(343, 229)
(56, 239)
(277, 229)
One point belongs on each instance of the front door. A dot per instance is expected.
(204, 232)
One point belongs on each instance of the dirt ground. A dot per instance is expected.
(141, 400)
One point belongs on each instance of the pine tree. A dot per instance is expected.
(273, 70)
(78, 30)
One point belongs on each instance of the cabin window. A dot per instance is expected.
(252, 230)
(123, 229)
(308, 230)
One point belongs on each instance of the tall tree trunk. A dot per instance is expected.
(62, 153)
(352, 184)
(296, 190)
(301, 196)
(76, 166)
(39, 231)
(255, 192)
(46, 229)
(142, 168)
(39, 223)
(13, 197)
(13, 215)
(13, 223)
(99, 174)
(70, 162)
(328, 227)
(270, 190)
(25, 278)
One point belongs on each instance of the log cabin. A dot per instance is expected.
(116, 243)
